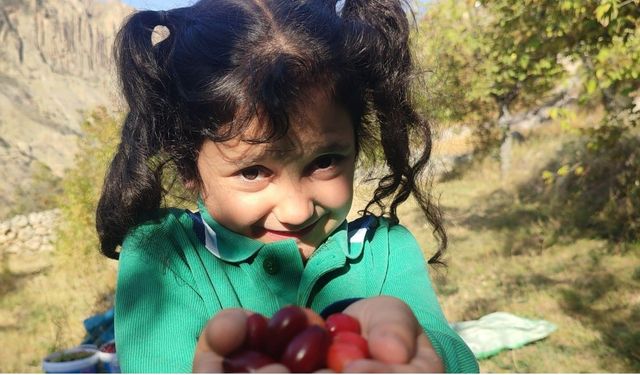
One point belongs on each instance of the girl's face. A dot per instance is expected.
(299, 187)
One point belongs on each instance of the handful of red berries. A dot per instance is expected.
(299, 339)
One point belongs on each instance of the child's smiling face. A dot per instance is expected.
(298, 187)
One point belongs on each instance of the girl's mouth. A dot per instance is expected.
(277, 234)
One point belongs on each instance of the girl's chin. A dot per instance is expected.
(305, 248)
(301, 242)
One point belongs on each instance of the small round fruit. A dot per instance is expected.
(340, 355)
(340, 322)
(109, 347)
(352, 338)
(256, 332)
(282, 328)
(246, 361)
(307, 351)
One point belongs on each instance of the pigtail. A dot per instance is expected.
(378, 42)
(133, 185)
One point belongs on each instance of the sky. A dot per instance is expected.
(158, 4)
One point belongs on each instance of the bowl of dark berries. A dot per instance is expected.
(299, 339)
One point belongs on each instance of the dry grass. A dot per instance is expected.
(504, 256)
(44, 308)
(453, 141)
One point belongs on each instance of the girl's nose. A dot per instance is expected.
(295, 207)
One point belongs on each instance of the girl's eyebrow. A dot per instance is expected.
(319, 147)
(282, 152)
(336, 145)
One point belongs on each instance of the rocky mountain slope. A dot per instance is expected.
(55, 63)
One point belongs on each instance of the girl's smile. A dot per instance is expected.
(298, 187)
(294, 234)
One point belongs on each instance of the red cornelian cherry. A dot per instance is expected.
(246, 361)
(299, 339)
(340, 322)
(256, 332)
(282, 328)
(307, 351)
(352, 338)
(340, 355)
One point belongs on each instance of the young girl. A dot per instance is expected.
(262, 107)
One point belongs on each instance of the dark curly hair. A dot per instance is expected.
(228, 61)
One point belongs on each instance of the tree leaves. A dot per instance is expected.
(511, 51)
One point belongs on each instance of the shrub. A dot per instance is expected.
(595, 186)
(83, 182)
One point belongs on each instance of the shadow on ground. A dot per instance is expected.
(619, 325)
(11, 282)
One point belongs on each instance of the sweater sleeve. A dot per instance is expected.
(408, 279)
(158, 314)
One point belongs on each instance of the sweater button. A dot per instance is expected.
(270, 266)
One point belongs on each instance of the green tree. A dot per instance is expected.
(604, 37)
(449, 47)
(523, 52)
(482, 64)
(602, 34)
(512, 52)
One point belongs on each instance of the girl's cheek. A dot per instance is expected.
(336, 194)
(236, 211)
(250, 208)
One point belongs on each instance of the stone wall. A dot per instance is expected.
(29, 234)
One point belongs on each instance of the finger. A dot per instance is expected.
(224, 333)
(422, 363)
(325, 371)
(274, 368)
(389, 326)
(207, 362)
(367, 366)
(426, 359)
(391, 342)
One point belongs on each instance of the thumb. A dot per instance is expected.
(223, 333)
(390, 328)
(392, 342)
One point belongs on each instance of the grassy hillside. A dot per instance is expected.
(43, 303)
(507, 252)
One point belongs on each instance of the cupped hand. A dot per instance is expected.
(396, 340)
(223, 334)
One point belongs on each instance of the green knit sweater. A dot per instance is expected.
(177, 272)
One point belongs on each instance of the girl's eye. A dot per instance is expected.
(325, 161)
(253, 173)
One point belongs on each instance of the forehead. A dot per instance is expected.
(319, 124)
